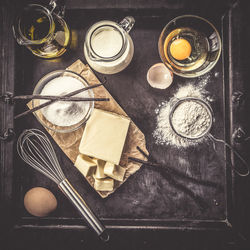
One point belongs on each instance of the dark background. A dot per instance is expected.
(125, 238)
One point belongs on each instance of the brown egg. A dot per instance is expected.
(39, 201)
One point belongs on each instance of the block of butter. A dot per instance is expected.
(85, 165)
(106, 184)
(99, 173)
(114, 171)
(104, 136)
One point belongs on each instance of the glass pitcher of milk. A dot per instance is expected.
(108, 47)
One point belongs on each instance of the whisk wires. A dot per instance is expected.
(35, 149)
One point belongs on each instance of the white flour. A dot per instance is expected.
(163, 133)
(191, 119)
(62, 113)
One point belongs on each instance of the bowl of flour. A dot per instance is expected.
(63, 116)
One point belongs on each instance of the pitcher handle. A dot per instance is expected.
(57, 7)
(127, 23)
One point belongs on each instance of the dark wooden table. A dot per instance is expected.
(157, 220)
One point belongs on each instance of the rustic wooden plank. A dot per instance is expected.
(7, 110)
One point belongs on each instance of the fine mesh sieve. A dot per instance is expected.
(204, 131)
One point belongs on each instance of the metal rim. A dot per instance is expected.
(204, 104)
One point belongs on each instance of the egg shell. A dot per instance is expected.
(40, 201)
(159, 76)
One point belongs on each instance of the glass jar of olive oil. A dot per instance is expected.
(43, 31)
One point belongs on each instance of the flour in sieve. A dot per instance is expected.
(64, 113)
(191, 119)
(164, 134)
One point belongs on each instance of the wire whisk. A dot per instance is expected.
(35, 149)
(30, 146)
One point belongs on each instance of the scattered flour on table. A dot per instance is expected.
(164, 134)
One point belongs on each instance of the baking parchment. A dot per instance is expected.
(69, 142)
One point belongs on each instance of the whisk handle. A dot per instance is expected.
(83, 208)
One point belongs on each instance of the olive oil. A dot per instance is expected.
(48, 36)
(35, 26)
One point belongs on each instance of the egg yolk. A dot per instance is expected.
(180, 49)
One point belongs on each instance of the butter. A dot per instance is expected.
(104, 136)
(85, 165)
(99, 173)
(104, 184)
(114, 171)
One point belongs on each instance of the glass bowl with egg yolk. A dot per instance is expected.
(189, 45)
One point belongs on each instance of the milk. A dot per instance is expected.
(104, 41)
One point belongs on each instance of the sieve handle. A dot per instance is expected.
(235, 152)
(83, 208)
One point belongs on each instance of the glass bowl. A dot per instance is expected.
(200, 41)
(74, 119)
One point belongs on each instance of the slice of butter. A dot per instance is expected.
(114, 171)
(85, 165)
(99, 173)
(104, 136)
(106, 184)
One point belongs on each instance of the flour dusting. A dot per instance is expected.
(164, 134)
